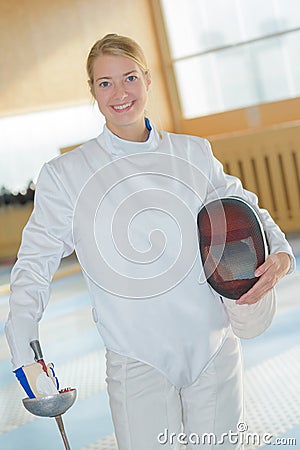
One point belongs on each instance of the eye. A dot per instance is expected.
(132, 78)
(104, 84)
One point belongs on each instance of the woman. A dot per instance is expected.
(172, 357)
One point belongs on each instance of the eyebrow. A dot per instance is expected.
(124, 75)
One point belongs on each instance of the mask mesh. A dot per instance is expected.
(232, 246)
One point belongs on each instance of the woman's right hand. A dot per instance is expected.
(35, 381)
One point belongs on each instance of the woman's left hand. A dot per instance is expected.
(270, 272)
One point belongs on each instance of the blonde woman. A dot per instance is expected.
(173, 360)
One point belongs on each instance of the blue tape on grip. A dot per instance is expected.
(23, 381)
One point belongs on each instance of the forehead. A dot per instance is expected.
(113, 65)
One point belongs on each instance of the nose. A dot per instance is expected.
(120, 92)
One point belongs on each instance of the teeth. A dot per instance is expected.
(123, 106)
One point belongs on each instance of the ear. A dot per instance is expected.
(91, 88)
(148, 79)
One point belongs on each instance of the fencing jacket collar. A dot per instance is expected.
(120, 147)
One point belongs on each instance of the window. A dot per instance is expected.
(28, 140)
(233, 54)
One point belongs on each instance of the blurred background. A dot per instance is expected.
(225, 70)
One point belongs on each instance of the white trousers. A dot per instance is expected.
(149, 413)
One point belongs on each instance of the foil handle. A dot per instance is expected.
(36, 347)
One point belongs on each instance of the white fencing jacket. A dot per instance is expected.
(129, 210)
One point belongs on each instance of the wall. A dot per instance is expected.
(44, 45)
(43, 50)
(12, 221)
(249, 119)
(268, 163)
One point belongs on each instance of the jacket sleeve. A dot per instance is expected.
(248, 321)
(46, 239)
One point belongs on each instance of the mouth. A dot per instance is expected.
(123, 107)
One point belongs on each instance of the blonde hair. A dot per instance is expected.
(114, 44)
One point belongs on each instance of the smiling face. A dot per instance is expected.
(120, 88)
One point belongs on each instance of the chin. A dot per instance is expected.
(126, 121)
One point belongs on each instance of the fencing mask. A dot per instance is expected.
(232, 245)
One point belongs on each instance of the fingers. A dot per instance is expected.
(258, 291)
(264, 267)
(270, 272)
(35, 381)
(281, 262)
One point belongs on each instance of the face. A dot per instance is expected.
(121, 91)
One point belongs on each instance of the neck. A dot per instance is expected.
(135, 132)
